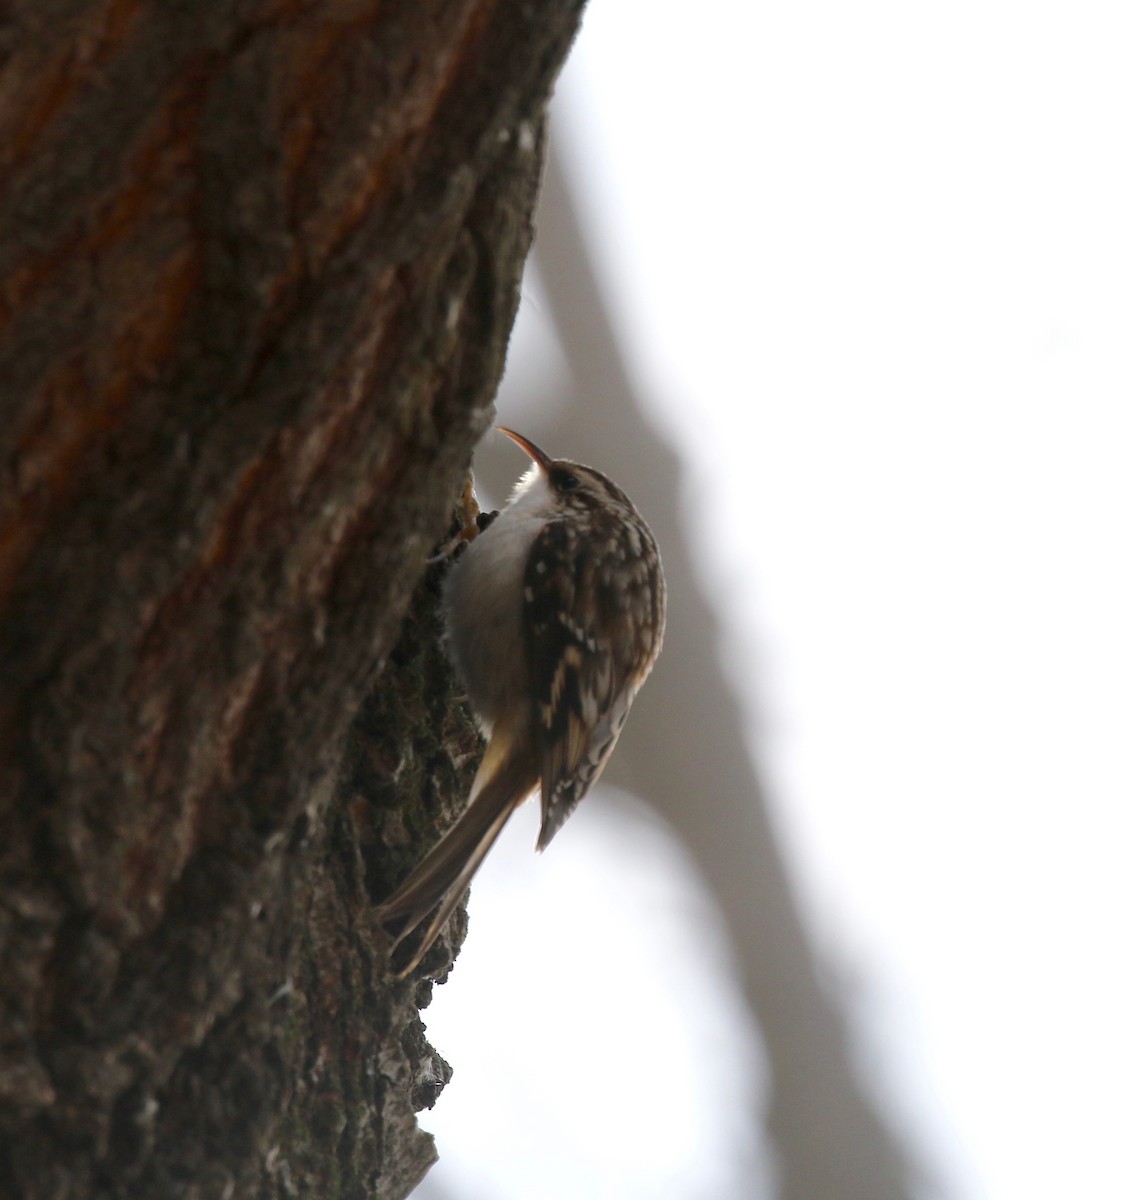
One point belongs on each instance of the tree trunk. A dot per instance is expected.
(258, 266)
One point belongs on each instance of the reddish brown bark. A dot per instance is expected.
(258, 266)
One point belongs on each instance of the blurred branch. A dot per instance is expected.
(685, 752)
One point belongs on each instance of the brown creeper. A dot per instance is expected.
(555, 615)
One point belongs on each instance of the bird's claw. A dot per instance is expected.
(474, 522)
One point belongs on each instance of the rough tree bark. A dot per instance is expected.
(258, 266)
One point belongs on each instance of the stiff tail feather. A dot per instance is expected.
(440, 879)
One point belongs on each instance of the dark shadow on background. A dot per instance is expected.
(685, 751)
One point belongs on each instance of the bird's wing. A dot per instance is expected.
(581, 695)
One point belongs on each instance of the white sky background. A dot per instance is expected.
(866, 260)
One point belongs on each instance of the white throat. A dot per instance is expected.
(532, 495)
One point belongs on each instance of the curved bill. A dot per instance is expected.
(535, 452)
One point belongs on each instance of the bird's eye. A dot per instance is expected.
(565, 481)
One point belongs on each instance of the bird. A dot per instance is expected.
(555, 614)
